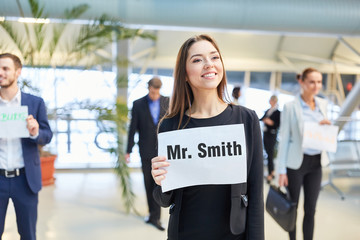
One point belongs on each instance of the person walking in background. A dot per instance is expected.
(212, 212)
(20, 173)
(271, 121)
(236, 93)
(297, 166)
(298, 77)
(145, 115)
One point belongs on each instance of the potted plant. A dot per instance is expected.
(47, 161)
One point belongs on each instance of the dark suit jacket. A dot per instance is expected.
(275, 116)
(36, 107)
(142, 122)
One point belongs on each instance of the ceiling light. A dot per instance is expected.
(34, 20)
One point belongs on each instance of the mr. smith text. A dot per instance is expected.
(225, 149)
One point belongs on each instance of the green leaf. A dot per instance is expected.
(76, 11)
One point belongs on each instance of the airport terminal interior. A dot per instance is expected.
(88, 58)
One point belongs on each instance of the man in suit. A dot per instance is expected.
(20, 173)
(145, 116)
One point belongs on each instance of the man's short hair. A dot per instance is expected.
(16, 59)
(155, 82)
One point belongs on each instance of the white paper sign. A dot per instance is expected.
(320, 137)
(13, 122)
(206, 155)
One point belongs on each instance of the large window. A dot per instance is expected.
(348, 81)
(235, 78)
(260, 80)
(74, 129)
(289, 82)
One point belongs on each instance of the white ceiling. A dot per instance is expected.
(259, 35)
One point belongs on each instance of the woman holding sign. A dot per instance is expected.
(300, 166)
(210, 211)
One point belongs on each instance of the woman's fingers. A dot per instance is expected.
(157, 168)
(157, 165)
(158, 159)
(158, 172)
(325, 121)
(159, 162)
(158, 175)
(283, 180)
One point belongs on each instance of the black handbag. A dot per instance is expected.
(281, 208)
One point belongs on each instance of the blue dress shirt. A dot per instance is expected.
(154, 107)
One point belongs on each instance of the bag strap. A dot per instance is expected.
(287, 193)
(278, 189)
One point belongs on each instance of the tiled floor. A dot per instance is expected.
(87, 205)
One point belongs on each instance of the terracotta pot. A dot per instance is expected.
(47, 169)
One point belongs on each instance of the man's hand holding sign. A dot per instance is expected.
(198, 156)
(32, 125)
(15, 122)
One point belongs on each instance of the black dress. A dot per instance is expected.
(203, 212)
(270, 135)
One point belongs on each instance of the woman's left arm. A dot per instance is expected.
(255, 215)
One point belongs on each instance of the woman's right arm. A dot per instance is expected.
(157, 168)
(284, 134)
(158, 173)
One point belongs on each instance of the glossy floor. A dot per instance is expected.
(87, 205)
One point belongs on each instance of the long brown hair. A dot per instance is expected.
(182, 96)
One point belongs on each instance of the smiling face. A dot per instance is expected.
(204, 67)
(8, 73)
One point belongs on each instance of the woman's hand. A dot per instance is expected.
(157, 168)
(127, 158)
(268, 121)
(325, 122)
(283, 180)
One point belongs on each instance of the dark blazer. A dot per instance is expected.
(142, 122)
(247, 212)
(275, 116)
(36, 107)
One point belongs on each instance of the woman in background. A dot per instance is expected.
(271, 120)
(236, 93)
(297, 166)
(211, 212)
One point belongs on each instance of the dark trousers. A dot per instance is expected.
(154, 207)
(309, 176)
(25, 204)
(269, 145)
